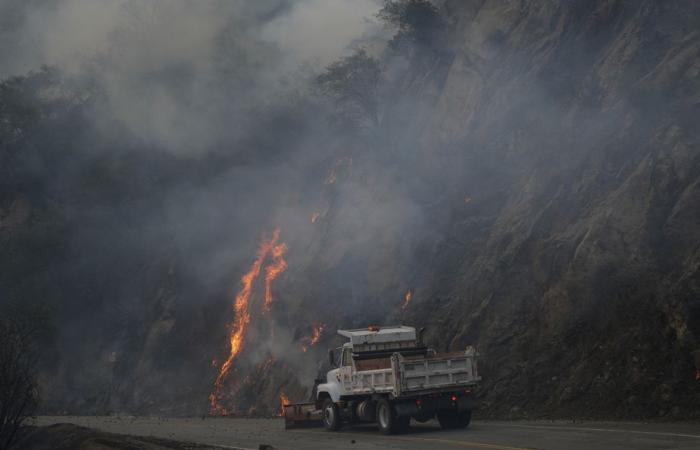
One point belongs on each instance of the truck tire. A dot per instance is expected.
(331, 415)
(387, 421)
(451, 419)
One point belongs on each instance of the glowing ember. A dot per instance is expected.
(240, 323)
(264, 367)
(284, 400)
(407, 299)
(331, 177)
(315, 216)
(333, 173)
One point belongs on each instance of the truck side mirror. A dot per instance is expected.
(331, 358)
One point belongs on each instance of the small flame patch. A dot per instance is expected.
(407, 299)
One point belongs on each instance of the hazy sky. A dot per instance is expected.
(66, 33)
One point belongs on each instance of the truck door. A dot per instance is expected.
(345, 371)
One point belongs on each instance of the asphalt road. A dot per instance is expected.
(250, 433)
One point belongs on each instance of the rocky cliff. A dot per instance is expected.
(575, 262)
(562, 204)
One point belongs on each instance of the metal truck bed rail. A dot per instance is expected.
(438, 372)
(408, 376)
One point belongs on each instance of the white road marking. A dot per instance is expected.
(609, 430)
(460, 443)
(226, 446)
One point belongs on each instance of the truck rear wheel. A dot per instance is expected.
(387, 419)
(331, 415)
(452, 419)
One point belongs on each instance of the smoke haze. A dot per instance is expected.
(526, 187)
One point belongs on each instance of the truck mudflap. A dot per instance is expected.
(300, 415)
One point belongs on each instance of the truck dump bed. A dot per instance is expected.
(437, 372)
(414, 375)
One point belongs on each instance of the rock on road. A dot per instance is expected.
(250, 433)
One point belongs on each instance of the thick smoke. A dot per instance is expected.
(176, 74)
(509, 178)
(213, 108)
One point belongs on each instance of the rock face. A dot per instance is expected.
(577, 265)
(560, 163)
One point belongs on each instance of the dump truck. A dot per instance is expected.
(388, 376)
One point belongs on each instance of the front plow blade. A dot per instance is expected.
(299, 415)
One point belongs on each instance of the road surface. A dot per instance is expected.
(250, 433)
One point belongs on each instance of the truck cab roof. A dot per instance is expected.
(377, 335)
(378, 342)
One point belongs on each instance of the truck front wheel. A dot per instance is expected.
(331, 415)
(450, 419)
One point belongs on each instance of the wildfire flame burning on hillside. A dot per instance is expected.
(407, 299)
(284, 400)
(314, 338)
(268, 247)
(279, 265)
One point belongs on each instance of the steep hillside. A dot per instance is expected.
(576, 261)
(529, 171)
(560, 201)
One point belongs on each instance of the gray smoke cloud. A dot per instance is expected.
(174, 71)
(524, 165)
(181, 83)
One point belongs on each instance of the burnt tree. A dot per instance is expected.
(18, 364)
(352, 82)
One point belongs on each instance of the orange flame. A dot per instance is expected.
(279, 265)
(315, 216)
(407, 299)
(240, 323)
(284, 400)
(316, 336)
